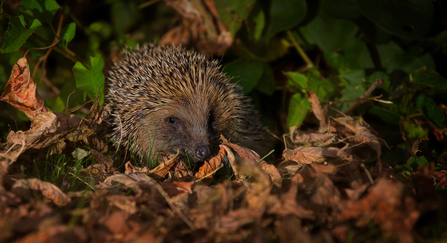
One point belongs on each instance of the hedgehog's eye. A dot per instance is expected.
(172, 120)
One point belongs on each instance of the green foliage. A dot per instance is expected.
(281, 49)
(67, 34)
(234, 12)
(284, 15)
(18, 32)
(91, 80)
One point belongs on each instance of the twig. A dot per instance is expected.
(376, 83)
(300, 50)
(173, 207)
(367, 174)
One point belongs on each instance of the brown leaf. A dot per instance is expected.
(245, 153)
(211, 167)
(20, 91)
(47, 189)
(200, 25)
(175, 187)
(319, 113)
(309, 155)
(57, 233)
(39, 136)
(273, 174)
(129, 181)
(162, 169)
(130, 169)
(385, 205)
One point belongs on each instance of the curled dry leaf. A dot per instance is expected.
(130, 169)
(245, 153)
(319, 113)
(128, 180)
(200, 25)
(175, 187)
(309, 155)
(47, 189)
(162, 169)
(211, 167)
(20, 91)
(387, 206)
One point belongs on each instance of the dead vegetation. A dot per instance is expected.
(321, 190)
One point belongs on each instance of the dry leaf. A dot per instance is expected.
(308, 155)
(130, 169)
(318, 112)
(200, 25)
(128, 180)
(162, 169)
(47, 189)
(245, 153)
(211, 166)
(20, 91)
(175, 187)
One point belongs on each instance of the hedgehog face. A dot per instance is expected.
(188, 127)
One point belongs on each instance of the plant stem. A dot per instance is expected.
(299, 49)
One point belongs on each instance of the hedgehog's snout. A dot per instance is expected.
(203, 152)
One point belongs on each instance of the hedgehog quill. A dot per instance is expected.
(169, 99)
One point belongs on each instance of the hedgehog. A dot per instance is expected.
(169, 99)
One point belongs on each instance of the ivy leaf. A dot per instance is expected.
(67, 34)
(91, 80)
(233, 12)
(298, 108)
(285, 14)
(404, 18)
(18, 32)
(43, 10)
(245, 72)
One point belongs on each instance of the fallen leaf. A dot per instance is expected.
(176, 187)
(49, 190)
(209, 168)
(20, 91)
(319, 113)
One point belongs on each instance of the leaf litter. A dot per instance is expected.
(321, 191)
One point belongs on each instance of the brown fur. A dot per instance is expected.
(169, 99)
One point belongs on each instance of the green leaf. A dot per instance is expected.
(298, 108)
(18, 32)
(431, 110)
(266, 83)
(285, 14)
(390, 55)
(413, 131)
(330, 34)
(296, 81)
(245, 72)
(429, 80)
(321, 87)
(357, 56)
(67, 34)
(378, 74)
(91, 80)
(386, 115)
(259, 21)
(404, 18)
(341, 9)
(233, 12)
(419, 161)
(43, 10)
(355, 77)
(354, 90)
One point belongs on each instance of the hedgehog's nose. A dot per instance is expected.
(203, 151)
